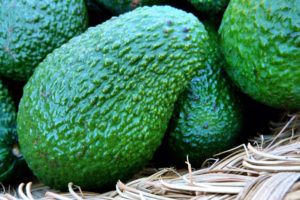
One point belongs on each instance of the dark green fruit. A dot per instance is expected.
(210, 6)
(97, 108)
(122, 6)
(30, 29)
(10, 156)
(260, 40)
(207, 116)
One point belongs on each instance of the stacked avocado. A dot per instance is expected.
(261, 41)
(208, 116)
(10, 156)
(106, 96)
(31, 29)
(98, 102)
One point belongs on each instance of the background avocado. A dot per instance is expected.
(30, 29)
(210, 6)
(207, 117)
(10, 156)
(122, 6)
(97, 108)
(260, 40)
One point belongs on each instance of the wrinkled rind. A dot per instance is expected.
(30, 29)
(260, 40)
(210, 6)
(96, 109)
(207, 117)
(122, 6)
(7, 134)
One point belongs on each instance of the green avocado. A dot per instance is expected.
(30, 29)
(210, 6)
(97, 108)
(10, 156)
(207, 117)
(122, 6)
(260, 40)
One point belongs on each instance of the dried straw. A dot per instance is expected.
(269, 168)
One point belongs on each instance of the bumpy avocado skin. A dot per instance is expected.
(260, 40)
(210, 6)
(8, 136)
(122, 6)
(30, 29)
(207, 117)
(97, 108)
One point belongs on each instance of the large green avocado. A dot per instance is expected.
(97, 108)
(260, 40)
(10, 156)
(122, 6)
(210, 6)
(207, 117)
(30, 29)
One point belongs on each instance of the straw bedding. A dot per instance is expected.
(266, 168)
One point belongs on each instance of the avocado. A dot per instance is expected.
(210, 6)
(207, 117)
(260, 40)
(30, 29)
(10, 156)
(122, 6)
(97, 108)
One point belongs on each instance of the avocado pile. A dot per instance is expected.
(106, 83)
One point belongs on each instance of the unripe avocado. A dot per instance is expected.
(122, 6)
(97, 108)
(260, 40)
(210, 6)
(207, 117)
(30, 29)
(10, 156)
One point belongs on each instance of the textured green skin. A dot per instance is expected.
(7, 134)
(122, 6)
(210, 6)
(261, 42)
(207, 116)
(30, 29)
(96, 109)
